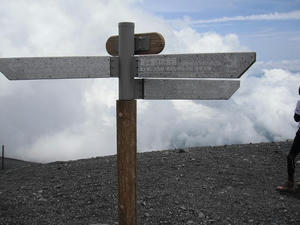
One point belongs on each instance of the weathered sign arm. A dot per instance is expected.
(185, 89)
(59, 67)
(206, 65)
(209, 65)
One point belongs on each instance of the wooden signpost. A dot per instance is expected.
(172, 75)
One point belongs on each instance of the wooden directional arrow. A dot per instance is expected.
(146, 43)
(186, 89)
(59, 67)
(210, 65)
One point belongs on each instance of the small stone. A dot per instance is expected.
(42, 199)
(98, 224)
(58, 186)
(146, 214)
(190, 222)
(182, 207)
(201, 215)
(181, 150)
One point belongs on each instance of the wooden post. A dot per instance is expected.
(3, 157)
(126, 128)
(126, 149)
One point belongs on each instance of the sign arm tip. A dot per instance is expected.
(253, 57)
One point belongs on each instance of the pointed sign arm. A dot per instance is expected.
(185, 89)
(59, 67)
(207, 65)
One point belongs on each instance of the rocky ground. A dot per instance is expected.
(232, 184)
(13, 163)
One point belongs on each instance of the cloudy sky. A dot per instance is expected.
(53, 120)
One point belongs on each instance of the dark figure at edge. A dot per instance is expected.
(295, 149)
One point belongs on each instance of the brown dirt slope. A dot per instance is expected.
(232, 184)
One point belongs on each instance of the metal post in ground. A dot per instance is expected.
(2, 157)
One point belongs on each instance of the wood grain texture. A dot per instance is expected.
(157, 44)
(126, 149)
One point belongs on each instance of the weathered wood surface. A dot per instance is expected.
(58, 67)
(208, 65)
(186, 89)
(126, 149)
(157, 44)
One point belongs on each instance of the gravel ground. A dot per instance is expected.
(13, 163)
(232, 184)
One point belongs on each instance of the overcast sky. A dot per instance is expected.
(53, 120)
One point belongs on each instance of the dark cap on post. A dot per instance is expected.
(124, 24)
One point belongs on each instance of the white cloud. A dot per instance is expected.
(60, 120)
(289, 65)
(293, 15)
(189, 40)
(260, 111)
